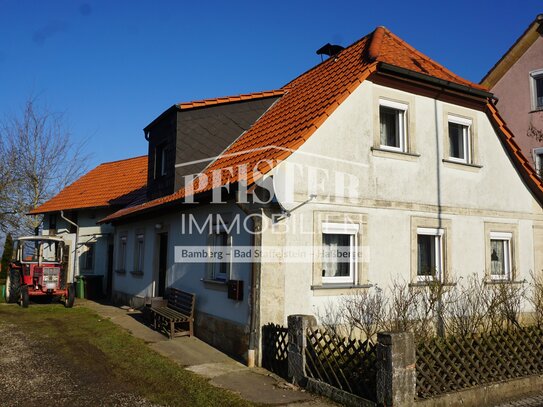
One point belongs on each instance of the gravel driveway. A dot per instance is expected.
(32, 374)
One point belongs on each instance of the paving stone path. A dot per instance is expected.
(535, 400)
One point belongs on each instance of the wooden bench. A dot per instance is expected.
(176, 310)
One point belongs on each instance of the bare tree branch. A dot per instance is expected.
(41, 159)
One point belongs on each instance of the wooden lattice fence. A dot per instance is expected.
(274, 349)
(347, 364)
(446, 365)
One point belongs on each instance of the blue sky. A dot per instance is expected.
(113, 66)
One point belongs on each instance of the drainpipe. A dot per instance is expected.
(254, 294)
(254, 304)
(76, 258)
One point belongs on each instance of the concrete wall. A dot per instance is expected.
(515, 104)
(391, 194)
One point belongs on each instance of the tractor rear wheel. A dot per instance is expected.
(70, 297)
(25, 298)
(13, 286)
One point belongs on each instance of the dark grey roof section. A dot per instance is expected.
(204, 133)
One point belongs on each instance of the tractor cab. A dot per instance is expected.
(39, 268)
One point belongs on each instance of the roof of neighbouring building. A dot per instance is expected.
(514, 53)
(115, 184)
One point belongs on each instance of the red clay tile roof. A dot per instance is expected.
(306, 103)
(517, 157)
(389, 48)
(230, 99)
(109, 184)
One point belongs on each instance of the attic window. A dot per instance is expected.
(459, 139)
(536, 84)
(393, 129)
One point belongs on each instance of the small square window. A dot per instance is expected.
(392, 121)
(429, 254)
(459, 139)
(500, 256)
(339, 257)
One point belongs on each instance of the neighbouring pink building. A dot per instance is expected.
(517, 80)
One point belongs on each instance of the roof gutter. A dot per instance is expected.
(387, 68)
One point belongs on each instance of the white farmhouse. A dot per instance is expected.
(379, 158)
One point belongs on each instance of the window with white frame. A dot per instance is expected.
(219, 250)
(429, 254)
(121, 260)
(500, 255)
(393, 125)
(538, 160)
(139, 252)
(459, 139)
(536, 86)
(339, 254)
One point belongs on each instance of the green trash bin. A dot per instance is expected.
(80, 287)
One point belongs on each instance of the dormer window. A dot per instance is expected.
(160, 161)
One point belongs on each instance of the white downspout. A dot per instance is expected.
(76, 251)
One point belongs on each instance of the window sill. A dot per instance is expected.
(536, 110)
(502, 282)
(137, 273)
(398, 155)
(211, 281)
(120, 271)
(462, 166)
(329, 289)
(220, 285)
(332, 286)
(428, 283)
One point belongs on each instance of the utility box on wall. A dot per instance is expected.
(235, 290)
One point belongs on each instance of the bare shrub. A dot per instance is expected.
(505, 306)
(365, 311)
(467, 310)
(333, 318)
(402, 310)
(536, 297)
(359, 314)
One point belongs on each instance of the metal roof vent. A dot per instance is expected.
(330, 50)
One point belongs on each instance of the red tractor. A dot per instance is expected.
(38, 268)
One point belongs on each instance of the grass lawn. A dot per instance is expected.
(99, 347)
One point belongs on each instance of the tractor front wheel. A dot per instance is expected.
(13, 286)
(70, 297)
(25, 298)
